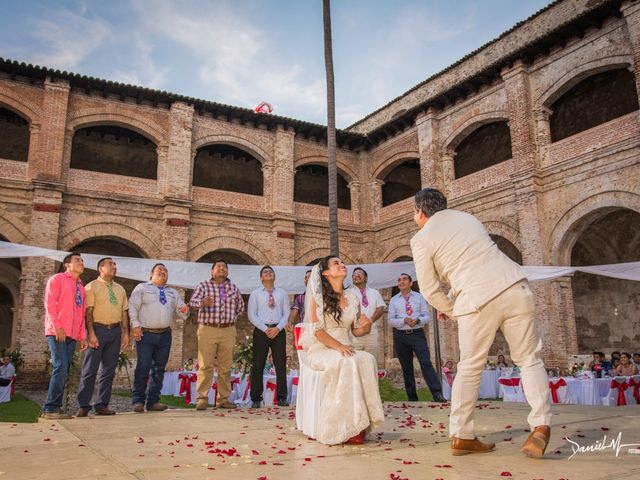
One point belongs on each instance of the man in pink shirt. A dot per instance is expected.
(63, 326)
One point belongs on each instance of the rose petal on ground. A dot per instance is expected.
(505, 474)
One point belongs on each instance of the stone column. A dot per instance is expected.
(175, 243)
(631, 12)
(429, 146)
(283, 174)
(448, 171)
(355, 187)
(178, 171)
(47, 164)
(45, 222)
(542, 134)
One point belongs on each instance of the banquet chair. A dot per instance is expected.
(562, 394)
(617, 392)
(633, 392)
(446, 388)
(511, 389)
(309, 392)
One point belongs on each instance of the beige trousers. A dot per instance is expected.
(215, 347)
(369, 343)
(513, 312)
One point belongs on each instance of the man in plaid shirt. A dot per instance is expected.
(219, 303)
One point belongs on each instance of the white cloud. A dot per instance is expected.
(70, 37)
(145, 73)
(238, 64)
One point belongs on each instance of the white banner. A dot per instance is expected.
(289, 278)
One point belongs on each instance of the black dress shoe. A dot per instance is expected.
(437, 397)
(256, 404)
(283, 403)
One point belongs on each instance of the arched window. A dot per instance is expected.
(401, 182)
(225, 167)
(508, 248)
(486, 146)
(594, 101)
(312, 186)
(10, 274)
(14, 136)
(115, 150)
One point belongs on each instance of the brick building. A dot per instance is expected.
(537, 133)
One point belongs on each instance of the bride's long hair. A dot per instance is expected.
(330, 297)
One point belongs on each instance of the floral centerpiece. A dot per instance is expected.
(491, 365)
(243, 355)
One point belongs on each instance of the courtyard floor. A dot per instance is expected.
(264, 444)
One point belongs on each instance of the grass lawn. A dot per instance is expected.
(389, 393)
(19, 410)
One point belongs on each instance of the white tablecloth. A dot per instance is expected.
(488, 385)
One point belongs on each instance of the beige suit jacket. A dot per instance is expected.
(455, 249)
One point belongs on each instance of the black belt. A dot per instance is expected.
(156, 330)
(108, 326)
(270, 325)
(409, 332)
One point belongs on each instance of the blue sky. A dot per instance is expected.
(243, 52)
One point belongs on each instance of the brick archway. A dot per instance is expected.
(101, 116)
(472, 124)
(121, 233)
(12, 229)
(568, 80)
(228, 243)
(24, 108)
(242, 143)
(397, 252)
(391, 162)
(343, 169)
(504, 230)
(576, 219)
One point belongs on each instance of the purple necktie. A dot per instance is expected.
(365, 300)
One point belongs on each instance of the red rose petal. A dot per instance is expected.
(506, 474)
(604, 429)
(262, 462)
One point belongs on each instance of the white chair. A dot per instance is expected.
(309, 392)
(633, 392)
(613, 398)
(562, 394)
(5, 392)
(511, 389)
(293, 391)
(446, 388)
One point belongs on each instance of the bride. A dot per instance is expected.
(351, 404)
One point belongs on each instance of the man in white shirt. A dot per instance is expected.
(268, 311)
(408, 315)
(7, 371)
(372, 305)
(488, 292)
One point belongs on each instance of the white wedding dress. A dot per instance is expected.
(351, 401)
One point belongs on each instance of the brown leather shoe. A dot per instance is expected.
(201, 405)
(462, 446)
(157, 407)
(138, 407)
(537, 442)
(83, 412)
(104, 411)
(228, 405)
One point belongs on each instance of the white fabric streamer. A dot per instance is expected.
(289, 278)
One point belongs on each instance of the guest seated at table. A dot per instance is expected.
(600, 363)
(7, 371)
(502, 363)
(268, 366)
(615, 361)
(626, 367)
(449, 371)
(615, 355)
(636, 358)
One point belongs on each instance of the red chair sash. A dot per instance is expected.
(621, 386)
(636, 389)
(510, 382)
(272, 386)
(247, 389)
(214, 387)
(13, 387)
(186, 379)
(295, 380)
(554, 386)
(296, 335)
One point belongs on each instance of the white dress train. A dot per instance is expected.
(351, 401)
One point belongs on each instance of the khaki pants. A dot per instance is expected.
(369, 343)
(513, 312)
(215, 345)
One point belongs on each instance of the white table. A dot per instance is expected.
(488, 385)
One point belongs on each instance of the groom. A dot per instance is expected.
(489, 291)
